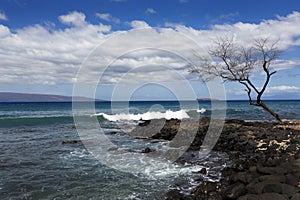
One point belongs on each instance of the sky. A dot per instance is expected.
(139, 49)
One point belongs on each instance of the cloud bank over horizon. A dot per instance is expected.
(47, 55)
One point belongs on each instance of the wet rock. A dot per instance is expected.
(156, 136)
(249, 197)
(240, 165)
(291, 179)
(235, 121)
(144, 122)
(252, 169)
(273, 178)
(203, 171)
(112, 133)
(272, 162)
(296, 197)
(70, 142)
(243, 177)
(289, 190)
(205, 188)
(147, 150)
(258, 188)
(174, 195)
(148, 129)
(270, 170)
(272, 196)
(112, 149)
(234, 191)
(272, 187)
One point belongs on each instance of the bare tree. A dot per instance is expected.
(235, 63)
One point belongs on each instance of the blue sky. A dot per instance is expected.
(44, 43)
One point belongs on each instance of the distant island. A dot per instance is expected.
(25, 97)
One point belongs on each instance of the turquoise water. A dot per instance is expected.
(34, 164)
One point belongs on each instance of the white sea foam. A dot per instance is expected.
(202, 110)
(169, 114)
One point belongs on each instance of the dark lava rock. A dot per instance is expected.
(270, 171)
(289, 190)
(70, 142)
(243, 177)
(173, 195)
(291, 179)
(205, 188)
(266, 196)
(273, 178)
(144, 122)
(272, 188)
(203, 171)
(147, 150)
(296, 197)
(272, 196)
(234, 191)
(112, 133)
(249, 197)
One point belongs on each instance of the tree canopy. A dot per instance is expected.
(236, 63)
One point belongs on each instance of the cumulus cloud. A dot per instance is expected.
(288, 36)
(3, 16)
(139, 24)
(108, 17)
(282, 89)
(279, 65)
(40, 54)
(4, 31)
(73, 18)
(150, 11)
(37, 55)
(286, 88)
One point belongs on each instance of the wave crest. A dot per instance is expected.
(169, 114)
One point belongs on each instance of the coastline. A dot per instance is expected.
(265, 159)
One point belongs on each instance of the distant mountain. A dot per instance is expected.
(23, 97)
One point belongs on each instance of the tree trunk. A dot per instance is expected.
(265, 107)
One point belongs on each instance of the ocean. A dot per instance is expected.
(34, 164)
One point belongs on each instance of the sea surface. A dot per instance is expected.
(34, 164)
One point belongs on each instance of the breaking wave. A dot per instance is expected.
(169, 114)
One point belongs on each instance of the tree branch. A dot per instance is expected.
(235, 63)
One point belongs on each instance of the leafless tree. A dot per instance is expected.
(235, 63)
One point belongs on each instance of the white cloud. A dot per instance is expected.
(3, 16)
(150, 11)
(37, 55)
(279, 65)
(282, 89)
(107, 17)
(45, 55)
(74, 18)
(269, 28)
(139, 24)
(183, 1)
(285, 88)
(173, 25)
(4, 31)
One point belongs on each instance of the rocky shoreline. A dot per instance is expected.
(265, 158)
